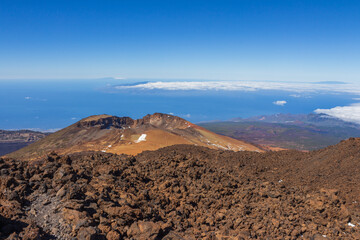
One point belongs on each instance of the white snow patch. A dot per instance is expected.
(324, 235)
(280, 180)
(109, 146)
(103, 150)
(141, 138)
(219, 146)
(351, 225)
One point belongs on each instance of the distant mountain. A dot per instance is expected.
(289, 131)
(322, 120)
(13, 140)
(113, 134)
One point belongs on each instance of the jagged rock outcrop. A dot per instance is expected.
(157, 120)
(183, 192)
(106, 122)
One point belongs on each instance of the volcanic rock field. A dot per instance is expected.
(184, 192)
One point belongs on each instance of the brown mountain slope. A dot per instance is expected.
(184, 192)
(124, 135)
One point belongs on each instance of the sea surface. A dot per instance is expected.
(54, 104)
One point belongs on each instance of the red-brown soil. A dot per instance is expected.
(184, 192)
(121, 135)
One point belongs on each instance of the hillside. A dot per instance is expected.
(320, 120)
(128, 136)
(287, 131)
(13, 140)
(184, 192)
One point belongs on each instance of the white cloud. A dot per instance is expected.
(280, 103)
(35, 99)
(298, 87)
(349, 113)
(51, 130)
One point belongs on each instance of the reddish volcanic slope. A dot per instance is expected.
(119, 135)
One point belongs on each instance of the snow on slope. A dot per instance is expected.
(141, 138)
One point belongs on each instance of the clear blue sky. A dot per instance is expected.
(315, 40)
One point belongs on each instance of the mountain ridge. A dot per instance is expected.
(316, 119)
(114, 134)
(287, 131)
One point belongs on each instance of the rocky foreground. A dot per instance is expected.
(184, 192)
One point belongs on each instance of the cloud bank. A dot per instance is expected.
(298, 87)
(349, 113)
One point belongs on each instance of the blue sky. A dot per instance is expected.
(230, 40)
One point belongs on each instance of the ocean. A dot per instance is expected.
(54, 104)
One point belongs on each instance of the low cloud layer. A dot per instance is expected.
(353, 88)
(280, 103)
(349, 113)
